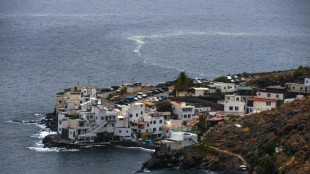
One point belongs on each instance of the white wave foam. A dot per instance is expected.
(42, 126)
(140, 43)
(53, 149)
(37, 114)
(43, 134)
(39, 147)
(139, 148)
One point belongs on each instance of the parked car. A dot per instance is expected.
(161, 85)
(140, 93)
(135, 98)
(165, 89)
(144, 95)
(129, 98)
(242, 79)
(164, 97)
(115, 98)
(160, 90)
(155, 99)
(149, 93)
(139, 97)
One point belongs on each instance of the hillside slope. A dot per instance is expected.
(276, 141)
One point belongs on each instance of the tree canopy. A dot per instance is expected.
(183, 82)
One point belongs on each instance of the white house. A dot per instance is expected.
(177, 141)
(155, 123)
(299, 88)
(234, 105)
(226, 87)
(307, 82)
(136, 112)
(202, 109)
(270, 95)
(259, 104)
(200, 92)
(183, 111)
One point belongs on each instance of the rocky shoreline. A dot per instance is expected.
(184, 160)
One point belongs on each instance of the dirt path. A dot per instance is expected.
(233, 154)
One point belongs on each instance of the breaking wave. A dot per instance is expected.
(40, 148)
(42, 134)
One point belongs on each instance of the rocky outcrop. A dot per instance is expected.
(50, 121)
(194, 157)
(55, 140)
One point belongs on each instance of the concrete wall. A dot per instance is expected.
(122, 132)
(237, 108)
(263, 94)
(261, 106)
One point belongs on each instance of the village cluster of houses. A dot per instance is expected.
(82, 117)
(242, 100)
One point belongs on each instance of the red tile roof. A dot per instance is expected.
(262, 99)
(176, 104)
(276, 87)
(216, 118)
(141, 122)
(165, 127)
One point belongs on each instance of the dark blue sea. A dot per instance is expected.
(49, 45)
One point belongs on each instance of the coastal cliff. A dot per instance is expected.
(275, 141)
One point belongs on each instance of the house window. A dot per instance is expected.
(268, 103)
(293, 87)
(120, 131)
(141, 112)
(259, 94)
(236, 108)
(160, 121)
(154, 129)
(59, 122)
(231, 108)
(130, 115)
(154, 121)
(112, 125)
(126, 131)
(189, 116)
(224, 87)
(277, 96)
(59, 101)
(300, 88)
(91, 117)
(137, 115)
(185, 116)
(101, 118)
(268, 95)
(147, 125)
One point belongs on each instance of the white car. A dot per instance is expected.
(155, 99)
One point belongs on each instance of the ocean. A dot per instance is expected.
(47, 46)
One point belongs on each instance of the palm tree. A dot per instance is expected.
(183, 82)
